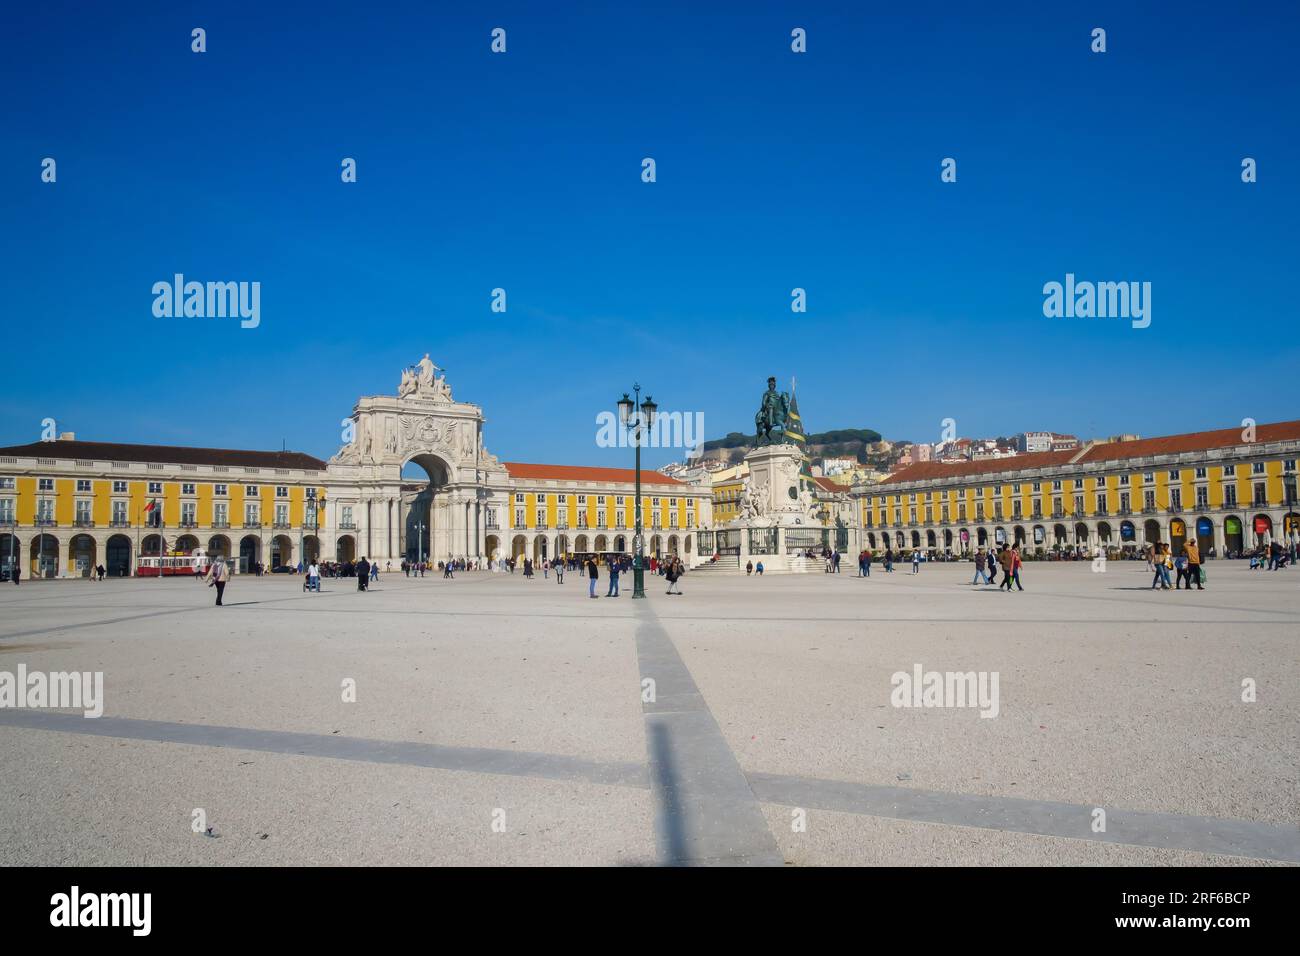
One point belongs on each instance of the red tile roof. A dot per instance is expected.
(518, 469)
(1101, 452)
(926, 470)
(163, 454)
(1192, 441)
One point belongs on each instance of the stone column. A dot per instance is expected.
(366, 512)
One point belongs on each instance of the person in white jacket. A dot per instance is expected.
(217, 576)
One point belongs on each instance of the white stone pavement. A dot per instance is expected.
(495, 698)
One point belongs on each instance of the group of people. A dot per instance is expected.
(417, 569)
(670, 568)
(1160, 559)
(866, 557)
(1272, 556)
(1008, 560)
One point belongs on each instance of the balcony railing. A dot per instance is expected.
(80, 522)
(7, 521)
(347, 526)
(188, 523)
(119, 523)
(221, 524)
(281, 526)
(252, 525)
(43, 522)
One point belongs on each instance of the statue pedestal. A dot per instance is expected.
(774, 481)
(781, 526)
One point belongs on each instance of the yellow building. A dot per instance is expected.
(728, 487)
(559, 510)
(1231, 489)
(68, 506)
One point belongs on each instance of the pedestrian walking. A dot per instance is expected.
(1016, 564)
(980, 560)
(1005, 559)
(614, 569)
(674, 575)
(749, 568)
(217, 576)
(593, 574)
(1180, 573)
(363, 573)
(1194, 570)
(1161, 564)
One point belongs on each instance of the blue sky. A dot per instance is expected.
(522, 171)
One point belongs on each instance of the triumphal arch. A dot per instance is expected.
(443, 513)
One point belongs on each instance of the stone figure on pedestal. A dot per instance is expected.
(422, 381)
(427, 368)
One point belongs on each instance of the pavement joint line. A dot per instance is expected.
(516, 763)
(1199, 622)
(59, 628)
(1168, 831)
(706, 814)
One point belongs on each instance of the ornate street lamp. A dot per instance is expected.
(420, 528)
(1289, 482)
(315, 507)
(627, 408)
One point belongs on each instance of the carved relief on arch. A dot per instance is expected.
(421, 431)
